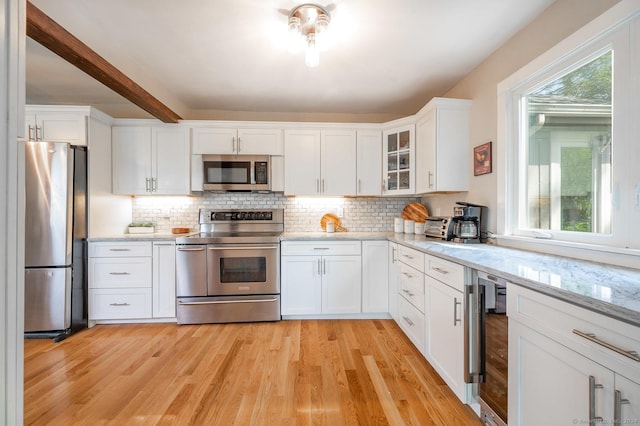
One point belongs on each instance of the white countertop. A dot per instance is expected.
(610, 290)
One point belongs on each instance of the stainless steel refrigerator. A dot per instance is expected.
(55, 239)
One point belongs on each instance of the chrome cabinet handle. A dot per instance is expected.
(147, 185)
(407, 256)
(430, 182)
(324, 266)
(407, 275)
(442, 271)
(410, 293)
(359, 186)
(455, 311)
(593, 419)
(154, 184)
(393, 255)
(239, 149)
(321, 248)
(233, 144)
(617, 407)
(119, 249)
(408, 321)
(119, 304)
(319, 268)
(318, 186)
(592, 337)
(29, 128)
(119, 273)
(323, 185)
(384, 186)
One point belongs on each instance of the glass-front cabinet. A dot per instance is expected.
(399, 160)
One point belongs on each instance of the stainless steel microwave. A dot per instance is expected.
(236, 173)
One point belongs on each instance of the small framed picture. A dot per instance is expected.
(482, 159)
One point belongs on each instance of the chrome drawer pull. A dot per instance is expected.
(617, 407)
(119, 304)
(321, 248)
(408, 292)
(442, 271)
(408, 321)
(407, 256)
(407, 275)
(119, 273)
(224, 302)
(121, 249)
(592, 337)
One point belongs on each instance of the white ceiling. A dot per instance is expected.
(207, 58)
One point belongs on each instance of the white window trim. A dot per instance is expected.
(507, 154)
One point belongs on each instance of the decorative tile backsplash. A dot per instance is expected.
(300, 214)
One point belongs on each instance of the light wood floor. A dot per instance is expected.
(290, 372)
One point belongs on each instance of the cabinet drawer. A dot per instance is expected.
(105, 272)
(599, 336)
(321, 248)
(119, 303)
(412, 322)
(447, 272)
(120, 249)
(411, 286)
(411, 257)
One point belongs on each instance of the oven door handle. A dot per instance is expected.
(190, 249)
(242, 248)
(221, 302)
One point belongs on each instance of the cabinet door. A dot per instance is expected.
(164, 280)
(171, 161)
(302, 162)
(131, 160)
(399, 160)
(301, 285)
(549, 384)
(394, 270)
(446, 334)
(369, 163)
(212, 140)
(260, 141)
(338, 162)
(375, 271)
(629, 391)
(341, 284)
(426, 153)
(57, 127)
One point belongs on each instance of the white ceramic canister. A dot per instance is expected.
(409, 226)
(398, 225)
(331, 227)
(418, 228)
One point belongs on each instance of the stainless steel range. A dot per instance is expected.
(230, 272)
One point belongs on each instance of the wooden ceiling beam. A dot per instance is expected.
(44, 30)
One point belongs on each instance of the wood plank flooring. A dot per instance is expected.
(325, 372)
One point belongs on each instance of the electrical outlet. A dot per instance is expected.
(340, 211)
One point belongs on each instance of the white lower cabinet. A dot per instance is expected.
(164, 279)
(131, 280)
(327, 283)
(411, 296)
(557, 376)
(394, 269)
(375, 271)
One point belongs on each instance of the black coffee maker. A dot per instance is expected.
(468, 226)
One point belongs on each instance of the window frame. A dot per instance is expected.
(613, 30)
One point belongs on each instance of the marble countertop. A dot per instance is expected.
(610, 290)
(607, 289)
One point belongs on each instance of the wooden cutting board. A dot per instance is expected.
(330, 217)
(415, 211)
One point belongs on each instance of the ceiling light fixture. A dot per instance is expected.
(307, 26)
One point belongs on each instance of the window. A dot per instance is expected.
(568, 149)
(570, 142)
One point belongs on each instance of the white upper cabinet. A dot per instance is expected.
(56, 126)
(249, 141)
(320, 162)
(399, 160)
(151, 160)
(369, 163)
(442, 146)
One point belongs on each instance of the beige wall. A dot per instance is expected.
(557, 22)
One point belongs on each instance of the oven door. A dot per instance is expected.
(239, 269)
